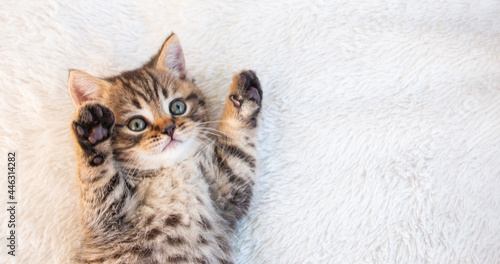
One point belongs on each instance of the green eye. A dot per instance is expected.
(136, 124)
(177, 107)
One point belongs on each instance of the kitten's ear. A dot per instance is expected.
(84, 87)
(172, 57)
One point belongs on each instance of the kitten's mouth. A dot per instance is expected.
(172, 144)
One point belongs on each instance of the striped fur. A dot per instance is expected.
(142, 202)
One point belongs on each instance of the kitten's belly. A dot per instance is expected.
(178, 221)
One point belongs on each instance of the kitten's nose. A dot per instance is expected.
(168, 130)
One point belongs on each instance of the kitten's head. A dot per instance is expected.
(159, 113)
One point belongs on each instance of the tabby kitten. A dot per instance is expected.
(159, 184)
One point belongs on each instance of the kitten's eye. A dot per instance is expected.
(177, 107)
(136, 124)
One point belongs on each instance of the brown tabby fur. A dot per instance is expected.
(141, 203)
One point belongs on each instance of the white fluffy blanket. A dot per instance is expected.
(380, 136)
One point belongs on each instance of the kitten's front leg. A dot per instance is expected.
(98, 176)
(235, 150)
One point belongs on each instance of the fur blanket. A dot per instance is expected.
(380, 136)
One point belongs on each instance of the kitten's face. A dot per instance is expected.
(159, 118)
(159, 114)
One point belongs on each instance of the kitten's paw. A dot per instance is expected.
(93, 125)
(245, 87)
(246, 95)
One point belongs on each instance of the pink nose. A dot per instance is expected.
(168, 130)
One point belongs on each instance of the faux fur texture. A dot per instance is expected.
(380, 136)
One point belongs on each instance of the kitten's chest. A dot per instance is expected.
(179, 193)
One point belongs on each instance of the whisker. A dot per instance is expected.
(215, 131)
(215, 121)
(136, 166)
(130, 160)
(130, 164)
(214, 142)
(213, 136)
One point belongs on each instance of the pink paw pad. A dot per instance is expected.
(253, 94)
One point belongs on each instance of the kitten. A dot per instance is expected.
(158, 183)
